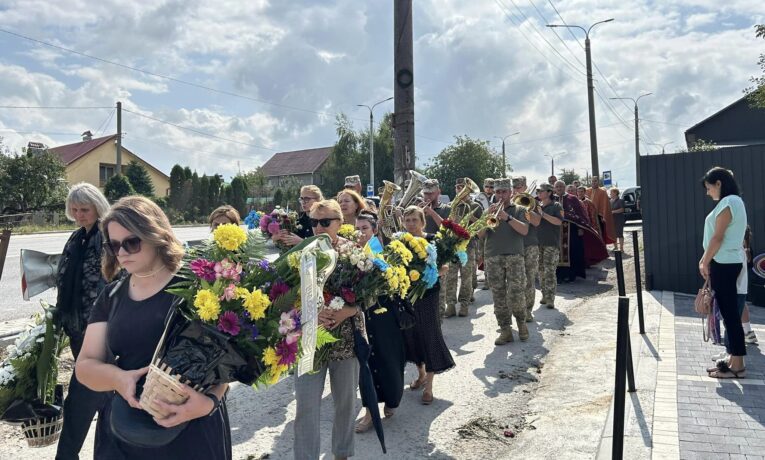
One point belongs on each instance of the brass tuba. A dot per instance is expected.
(525, 200)
(412, 192)
(388, 220)
(460, 208)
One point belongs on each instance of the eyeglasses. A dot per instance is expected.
(323, 222)
(303, 199)
(131, 245)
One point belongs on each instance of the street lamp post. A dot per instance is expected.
(637, 134)
(372, 139)
(590, 91)
(552, 157)
(663, 146)
(504, 160)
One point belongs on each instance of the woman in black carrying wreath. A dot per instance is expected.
(127, 322)
(79, 282)
(388, 357)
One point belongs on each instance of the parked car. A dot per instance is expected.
(631, 197)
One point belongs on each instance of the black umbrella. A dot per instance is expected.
(367, 384)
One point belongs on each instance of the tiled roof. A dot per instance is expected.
(71, 152)
(296, 162)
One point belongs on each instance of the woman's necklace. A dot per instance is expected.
(149, 275)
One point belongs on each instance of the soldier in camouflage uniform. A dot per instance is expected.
(435, 212)
(504, 264)
(530, 250)
(488, 191)
(466, 272)
(548, 235)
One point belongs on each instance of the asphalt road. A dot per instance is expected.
(12, 305)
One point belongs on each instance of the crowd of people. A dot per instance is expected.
(547, 233)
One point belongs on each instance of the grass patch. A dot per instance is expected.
(29, 229)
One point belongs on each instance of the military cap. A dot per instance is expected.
(518, 182)
(544, 187)
(460, 181)
(503, 183)
(430, 185)
(352, 180)
(488, 182)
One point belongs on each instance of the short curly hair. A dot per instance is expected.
(144, 219)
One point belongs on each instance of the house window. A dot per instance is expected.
(105, 172)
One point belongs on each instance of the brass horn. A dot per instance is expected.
(412, 192)
(525, 200)
(458, 204)
(388, 220)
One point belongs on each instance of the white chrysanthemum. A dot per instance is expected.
(337, 303)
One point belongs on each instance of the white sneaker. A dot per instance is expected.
(717, 357)
(750, 337)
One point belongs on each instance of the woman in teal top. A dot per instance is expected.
(721, 263)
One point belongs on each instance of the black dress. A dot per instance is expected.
(388, 357)
(425, 341)
(133, 333)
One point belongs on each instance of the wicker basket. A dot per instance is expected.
(161, 385)
(43, 431)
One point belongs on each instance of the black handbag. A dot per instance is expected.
(405, 315)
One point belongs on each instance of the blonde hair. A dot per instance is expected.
(312, 189)
(331, 206)
(225, 211)
(87, 194)
(416, 210)
(361, 204)
(144, 219)
(614, 189)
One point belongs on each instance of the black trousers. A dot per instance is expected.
(723, 280)
(80, 406)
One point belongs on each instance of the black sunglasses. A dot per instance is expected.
(131, 245)
(323, 222)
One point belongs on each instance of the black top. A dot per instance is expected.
(304, 230)
(136, 327)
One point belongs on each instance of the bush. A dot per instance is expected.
(118, 186)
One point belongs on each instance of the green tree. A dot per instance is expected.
(192, 206)
(757, 91)
(214, 191)
(177, 181)
(467, 157)
(118, 186)
(700, 146)
(139, 179)
(278, 197)
(568, 176)
(204, 195)
(31, 181)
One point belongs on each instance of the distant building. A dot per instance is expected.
(303, 166)
(94, 161)
(735, 125)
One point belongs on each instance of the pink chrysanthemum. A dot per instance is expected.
(229, 323)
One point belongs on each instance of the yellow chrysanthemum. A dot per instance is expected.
(414, 275)
(207, 305)
(270, 358)
(241, 292)
(229, 236)
(293, 260)
(347, 231)
(462, 246)
(256, 303)
(275, 372)
(398, 248)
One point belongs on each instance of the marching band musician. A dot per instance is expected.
(504, 263)
(548, 235)
(488, 191)
(464, 207)
(530, 249)
(435, 212)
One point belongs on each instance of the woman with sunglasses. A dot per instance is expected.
(351, 204)
(78, 282)
(388, 357)
(425, 345)
(343, 366)
(128, 320)
(309, 194)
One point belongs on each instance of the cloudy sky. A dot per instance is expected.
(280, 70)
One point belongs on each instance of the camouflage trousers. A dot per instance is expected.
(531, 262)
(548, 262)
(466, 285)
(507, 279)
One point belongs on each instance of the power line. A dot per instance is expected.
(167, 77)
(105, 124)
(196, 131)
(52, 107)
(552, 29)
(665, 122)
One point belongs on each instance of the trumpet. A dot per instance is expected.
(492, 214)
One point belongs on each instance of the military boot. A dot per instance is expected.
(529, 315)
(523, 331)
(505, 336)
(463, 309)
(450, 311)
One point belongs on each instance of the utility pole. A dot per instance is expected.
(590, 91)
(637, 134)
(118, 166)
(403, 90)
(552, 156)
(504, 159)
(372, 140)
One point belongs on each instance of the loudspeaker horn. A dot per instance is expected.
(38, 272)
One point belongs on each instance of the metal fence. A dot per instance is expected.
(674, 206)
(38, 218)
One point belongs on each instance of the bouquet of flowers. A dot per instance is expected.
(418, 257)
(279, 219)
(357, 279)
(252, 220)
(451, 241)
(349, 232)
(238, 319)
(28, 390)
